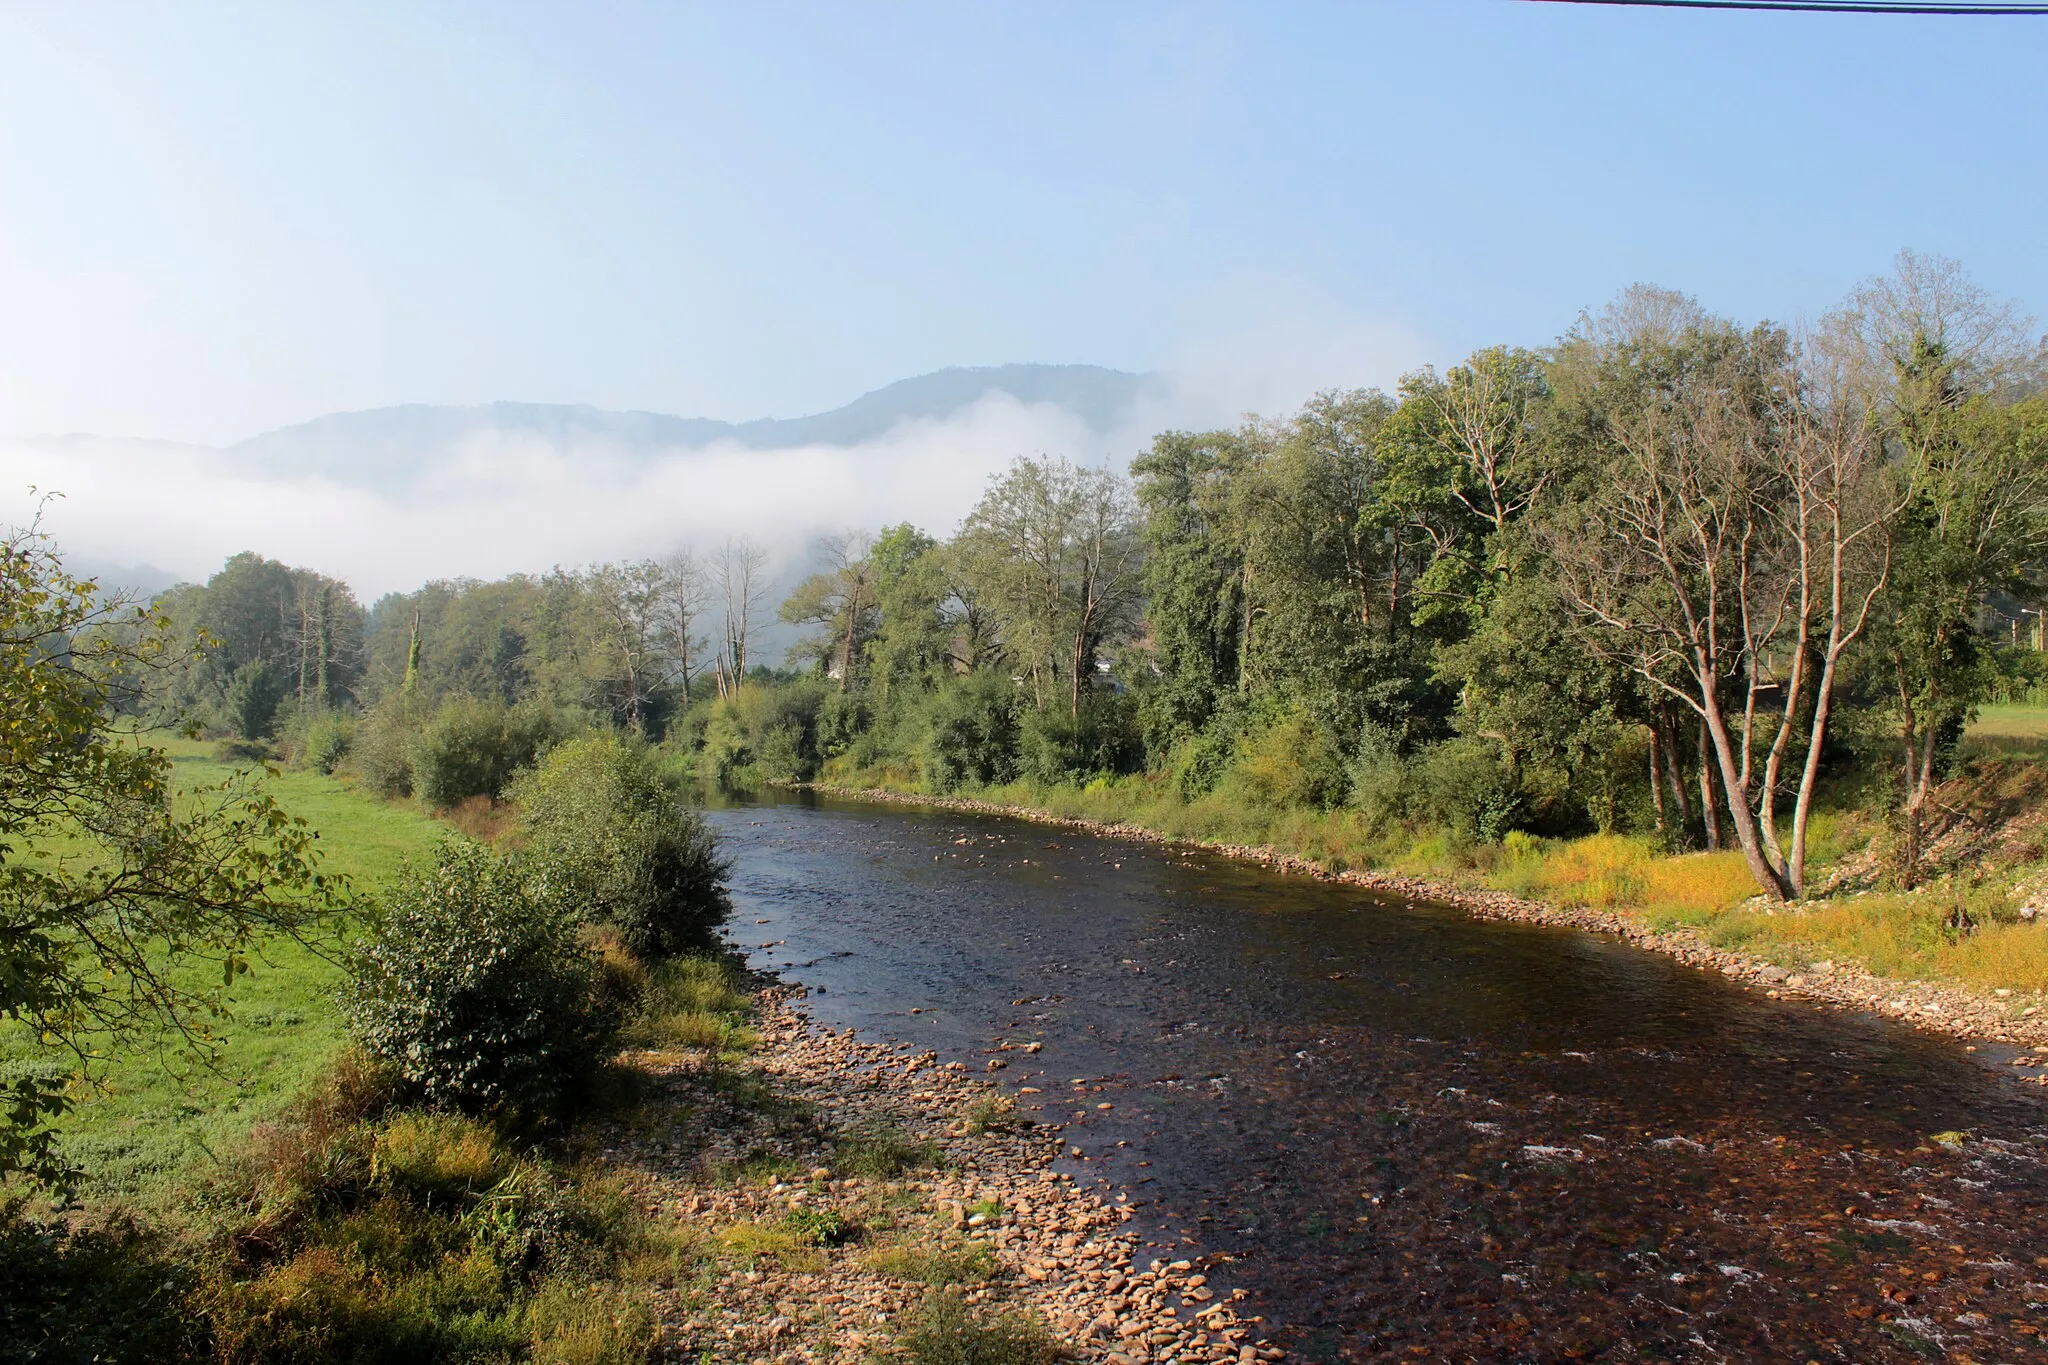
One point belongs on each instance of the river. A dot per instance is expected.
(1411, 1134)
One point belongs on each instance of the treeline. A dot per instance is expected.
(1671, 574)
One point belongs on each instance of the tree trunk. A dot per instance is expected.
(1710, 805)
(325, 647)
(1657, 774)
(1747, 836)
(1675, 778)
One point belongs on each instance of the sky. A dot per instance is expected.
(217, 219)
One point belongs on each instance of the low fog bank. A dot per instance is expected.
(500, 503)
(496, 502)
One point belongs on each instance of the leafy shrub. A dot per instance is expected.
(972, 736)
(1056, 748)
(1199, 761)
(784, 724)
(111, 1292)
(473, 987)
(842, 716)
(329, 736)
(1460, 786)
(255, 691)
(472, 748)
(619, 848)
(1294, 762)
(382, 752)
(1467, 789)
(244, 751)
(765, 734)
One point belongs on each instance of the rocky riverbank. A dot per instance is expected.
(2004, 1017)
(820, 1194)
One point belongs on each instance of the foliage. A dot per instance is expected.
(1053, 550)
(691, 1002)
(381, 753)
(1292, 762)
(473, 987)
(881, 1152)
(352, 1231)
(1055, 746)
(619, 847)
(936, 1264)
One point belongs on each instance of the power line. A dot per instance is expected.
(1826, 6)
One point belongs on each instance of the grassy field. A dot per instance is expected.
(2021, 731)
(155, 1113)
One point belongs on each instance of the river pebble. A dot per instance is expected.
(1061, 1250)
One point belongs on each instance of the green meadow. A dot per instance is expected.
(153, 1111)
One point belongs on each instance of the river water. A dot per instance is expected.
(1411, 1134)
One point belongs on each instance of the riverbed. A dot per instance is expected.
(1404, 1130)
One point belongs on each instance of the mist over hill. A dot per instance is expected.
(393, 448)
(389, 497)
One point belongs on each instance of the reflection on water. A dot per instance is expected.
(1410, 1127)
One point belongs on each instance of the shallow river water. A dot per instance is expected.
(1411, 1134)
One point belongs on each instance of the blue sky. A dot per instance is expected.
(220, 218)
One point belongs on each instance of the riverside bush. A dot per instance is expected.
(472, 748)
(473, 987)
(971, 739)
(1292, 763)
(1054, 747)
(619, 847)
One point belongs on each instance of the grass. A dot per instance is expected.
(937, 1264)
(881, 1153)
(351, 1230)
(989, 1114)
(153, 1113)
(945, 1331)
(778, 1243)
(697, 1003)
(2009, 729)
